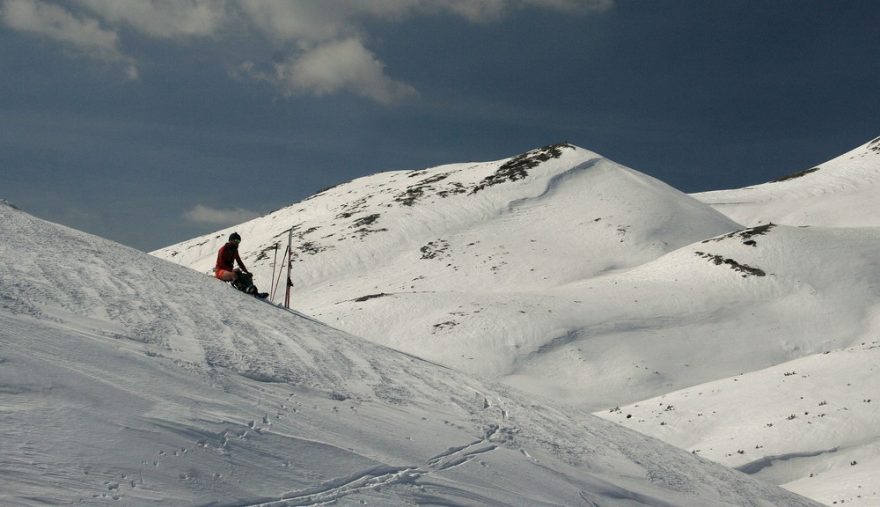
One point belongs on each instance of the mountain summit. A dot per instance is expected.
(580, 213)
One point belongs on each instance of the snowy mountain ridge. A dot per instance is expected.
(839, 193)
(127, 380)
(576, 279)
(354, 226)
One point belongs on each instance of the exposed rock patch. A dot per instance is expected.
(795, 175)
(518, 167)
(745, 269)
(746, 235)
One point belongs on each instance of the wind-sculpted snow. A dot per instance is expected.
(810, 424)
(126, 380)
(839, 193)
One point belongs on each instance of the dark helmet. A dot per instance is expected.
(234, 237)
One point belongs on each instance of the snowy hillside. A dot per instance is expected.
(808, 424)
(840, 193)
(543, 218)
(586, 282)
(461, 274)
(126, 380)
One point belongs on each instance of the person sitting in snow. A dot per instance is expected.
(225, 269)
(226, 259)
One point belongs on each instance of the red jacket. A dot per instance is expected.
(226, 256)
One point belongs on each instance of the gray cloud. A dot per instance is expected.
(323, 39)
(201, 214)
(337, 66)
(304, 22)
(164, 18)
(82, 33)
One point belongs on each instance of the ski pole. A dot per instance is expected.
(289, 267)
(274, 264)
(277, 281)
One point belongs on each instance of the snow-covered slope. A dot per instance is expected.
(839, 193)
(583, 281)
(126, 380)
(564, 280)
(540, 219)
(809, 424)
(455, 263)
(732, 304)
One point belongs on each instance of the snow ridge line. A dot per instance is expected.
(557, 181)
(379, 476)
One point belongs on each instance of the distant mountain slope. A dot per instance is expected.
(731, 304)
(839, 193)
(808, 424)
(587, 282)
(443, 243)
(126, 380)
(584, 280)
(549, 216)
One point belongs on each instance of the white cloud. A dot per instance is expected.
(328, 55)
(331, 56)
(304, 22)
(322, 38)
(164, 18)
(322, 20)
(340, 66)
(54, 22)
(222, 217)
(315, 21)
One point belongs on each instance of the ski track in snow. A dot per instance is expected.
(334, 490)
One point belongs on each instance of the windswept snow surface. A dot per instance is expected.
(127, 380)
(839, 193)
(579, 280)
(809, 424)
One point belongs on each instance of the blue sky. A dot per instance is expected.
(153, 121)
